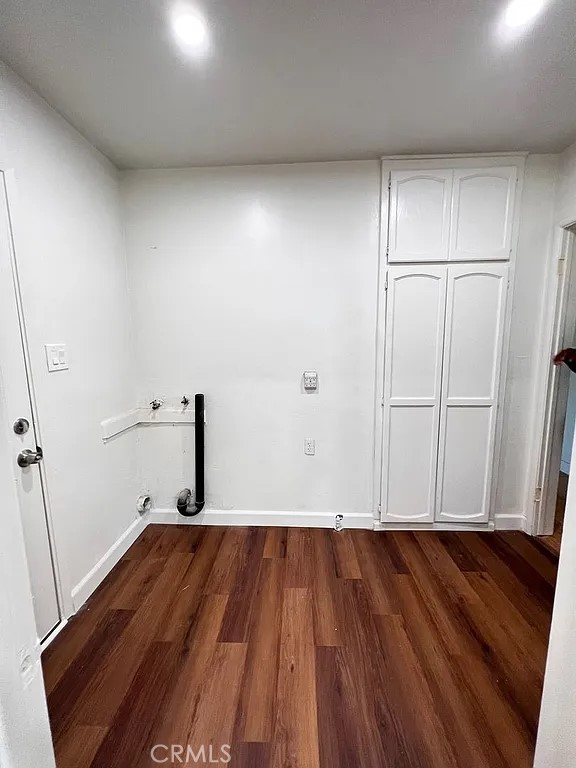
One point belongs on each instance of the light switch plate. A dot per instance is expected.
(57, 357)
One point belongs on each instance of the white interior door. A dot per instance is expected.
(419, 215)
(475, 316)
(415, 310)
(14, 385)
(482, 214)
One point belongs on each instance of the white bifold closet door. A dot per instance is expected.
(412, 385)
(443, 348)
(473, 337)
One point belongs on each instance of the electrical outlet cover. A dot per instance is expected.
(310, 380)
(309, 446)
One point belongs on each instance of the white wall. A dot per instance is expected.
(70, 251)
(244, 277)
(515, 493)
(241, 279)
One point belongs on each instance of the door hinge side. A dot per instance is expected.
(538, 495)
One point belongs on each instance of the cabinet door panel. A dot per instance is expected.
(411, 463)
(482, 214)
(472, 359)
(419, 215)
(416, 301)
(475, 304)
(413, 367)
(465, 460)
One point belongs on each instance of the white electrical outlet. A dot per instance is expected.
(309, 446)
(311, 381)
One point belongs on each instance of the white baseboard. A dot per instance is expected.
(510, 521)
(456, 527)
(96, 576)
(53, 634)
(366, 521)
(262, 517)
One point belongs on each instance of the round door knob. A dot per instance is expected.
(26, 458)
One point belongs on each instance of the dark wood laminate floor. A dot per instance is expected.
(308, 648)
(553, 542)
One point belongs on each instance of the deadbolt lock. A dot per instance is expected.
(21, 426)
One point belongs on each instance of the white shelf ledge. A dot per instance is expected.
(145, 417)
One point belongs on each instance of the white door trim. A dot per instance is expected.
(548, 425)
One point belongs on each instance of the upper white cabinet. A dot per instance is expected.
(482, 214)
(463, 214)
(419, 215)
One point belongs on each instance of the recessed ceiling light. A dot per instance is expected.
(190, 30)
(522, 12)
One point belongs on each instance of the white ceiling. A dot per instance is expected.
(299, 79)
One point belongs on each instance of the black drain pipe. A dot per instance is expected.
(183, 505)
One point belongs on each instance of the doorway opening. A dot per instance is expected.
(556, 461)
(553, 540)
